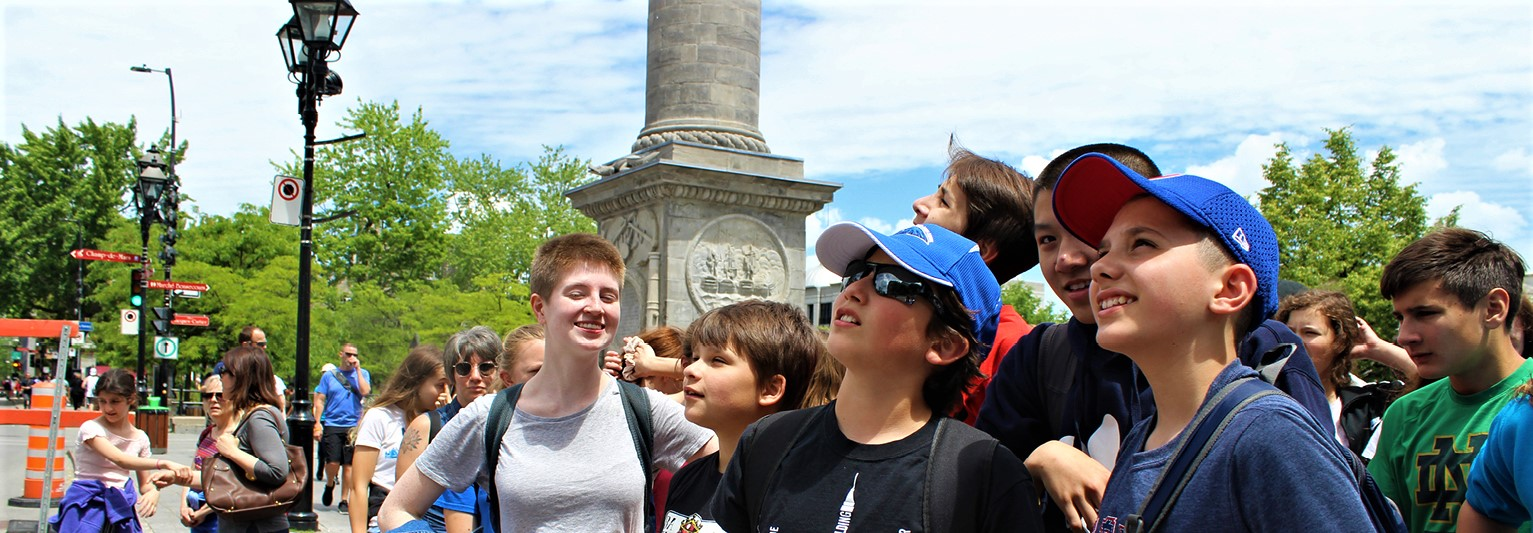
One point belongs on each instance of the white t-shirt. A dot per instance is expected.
(90, 385)
(383, 429)
(92, 465)
(281, 386)
(573, 473)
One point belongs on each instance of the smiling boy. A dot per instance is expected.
(563, 463)
(1455, 292)
(1186, 269)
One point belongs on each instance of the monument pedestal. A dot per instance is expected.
(703, 226)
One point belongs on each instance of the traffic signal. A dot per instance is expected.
(136, 290)
(168, 254)
(161, 320)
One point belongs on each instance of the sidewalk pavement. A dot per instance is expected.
(181, 445)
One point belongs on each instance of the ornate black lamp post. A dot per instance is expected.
(318, 28)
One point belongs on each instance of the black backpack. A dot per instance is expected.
(640, 427)
(947, 489)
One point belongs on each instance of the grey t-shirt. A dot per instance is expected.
(574, 473)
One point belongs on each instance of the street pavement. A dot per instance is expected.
(181, 445)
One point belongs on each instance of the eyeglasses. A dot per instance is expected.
(485, 367)
(349, 354)
(212, 396)
(889, 281)
(261, 344)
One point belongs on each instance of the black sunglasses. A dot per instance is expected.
(890, 281)
(485, 367)
(213, 396)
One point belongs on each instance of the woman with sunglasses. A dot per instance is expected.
(195, 514)
(257, 445)
(418, 385)
(916, 310)
(471, 354)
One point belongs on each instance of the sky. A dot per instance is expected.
(866, 93)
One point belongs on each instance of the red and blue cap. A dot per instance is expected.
(930, 251)
(1094, 187)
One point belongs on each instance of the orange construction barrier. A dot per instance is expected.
(37, 452)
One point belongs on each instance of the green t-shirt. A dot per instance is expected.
(1427, 442)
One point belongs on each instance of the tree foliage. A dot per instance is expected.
(419, 245)
(1031, 305)
(1339, 221)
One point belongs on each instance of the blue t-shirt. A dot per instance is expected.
(1501, 478)
(1273, 469)
(342, 408)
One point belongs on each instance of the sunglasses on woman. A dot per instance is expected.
(485, 367)
(890, 281)
(212, 396)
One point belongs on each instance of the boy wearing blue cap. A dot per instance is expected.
(1187, 268)
(917, 309)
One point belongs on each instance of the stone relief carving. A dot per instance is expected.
(736, 258)
(634, 234)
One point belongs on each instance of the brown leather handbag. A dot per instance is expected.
(236, 495)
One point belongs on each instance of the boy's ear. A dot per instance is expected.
(771, 391)
(988, 251)
(946, 349)
(1497, 304)
(1237, 288)
(537, 309)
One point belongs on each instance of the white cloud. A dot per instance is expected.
(1241, 171)
(1501, 222)
(1422, 161)
(1516, 160)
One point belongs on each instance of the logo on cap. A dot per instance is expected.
(920, 232)
(1240, 237)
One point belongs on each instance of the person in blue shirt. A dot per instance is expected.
(338, 405)
(1500, 496)
(1185, 270)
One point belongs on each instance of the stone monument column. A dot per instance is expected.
(702, 211)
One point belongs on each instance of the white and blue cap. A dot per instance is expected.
(930, 251)
(1094, 187)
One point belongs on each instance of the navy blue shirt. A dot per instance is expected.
(1273, 469)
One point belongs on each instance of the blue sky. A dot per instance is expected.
(866, 93)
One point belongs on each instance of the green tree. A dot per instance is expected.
(1031, 305)
(60, 189)
(1339, 221)
(385, 197)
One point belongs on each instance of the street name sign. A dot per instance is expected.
(190, 320)
(168, 285)
(87, 254)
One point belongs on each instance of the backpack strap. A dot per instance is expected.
(1056, 374)
(774, 436)
(436, 424)
(1203, 431)
(641, 429)
(958, 468)
(501, 411)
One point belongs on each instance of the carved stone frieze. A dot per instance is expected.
(736, 258)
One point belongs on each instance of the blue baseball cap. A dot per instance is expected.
(930, 251)
(1094, 187)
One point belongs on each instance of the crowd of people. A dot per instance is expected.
(1189, 390)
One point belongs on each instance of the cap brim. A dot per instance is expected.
(845, 242)
(1090, 192)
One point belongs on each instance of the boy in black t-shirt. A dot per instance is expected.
(744, 361)
(916, 310)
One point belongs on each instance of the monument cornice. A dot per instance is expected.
(798, 197)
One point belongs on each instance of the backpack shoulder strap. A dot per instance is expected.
(641, 428)
(502, 408)
(1056, 374)
(1203, 431)
(775, 435)
(436, 424)
(956, 471)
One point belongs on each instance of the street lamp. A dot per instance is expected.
(151, 186)
(317, 28)
(170, 189)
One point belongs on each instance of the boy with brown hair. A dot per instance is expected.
(1455, 292)
(558, 465)
(743, 361)
(990, 203)
(1186, 269)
